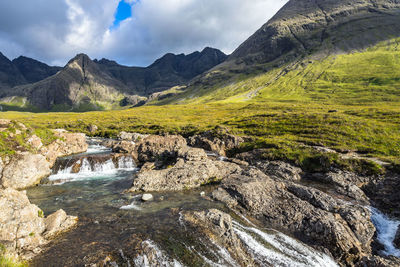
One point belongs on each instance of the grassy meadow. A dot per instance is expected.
(345, 102)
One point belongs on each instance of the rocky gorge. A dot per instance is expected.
(197, 191)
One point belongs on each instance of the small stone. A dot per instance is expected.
(147, 197)
(203, 194)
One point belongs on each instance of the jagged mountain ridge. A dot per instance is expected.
(85, 84)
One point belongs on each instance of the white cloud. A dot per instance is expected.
(56, 30)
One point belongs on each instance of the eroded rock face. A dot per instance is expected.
(24, 169)
(376, 261)
(23, 228)
(280, 169)
(218, 143)
(309, 214)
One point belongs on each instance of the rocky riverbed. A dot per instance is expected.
(202, 208)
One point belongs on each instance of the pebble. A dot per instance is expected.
(147, 197)
(203, 194)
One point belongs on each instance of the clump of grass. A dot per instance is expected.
(6, 261)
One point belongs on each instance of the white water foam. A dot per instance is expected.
(156, 255)
(282, 250)
(96, 149)
(386, 231)
(98, 170)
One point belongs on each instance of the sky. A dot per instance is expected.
(132, 32)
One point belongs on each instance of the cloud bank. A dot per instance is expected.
(55, 30)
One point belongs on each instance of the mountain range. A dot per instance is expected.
(303, 34)
(85, 84)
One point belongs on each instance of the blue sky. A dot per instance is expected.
(123, 12)
(132, 32)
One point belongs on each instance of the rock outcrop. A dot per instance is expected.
(311, 215)
(219, 142)
(23, 228)
(23, 170)
(135, 137)
(66, 144)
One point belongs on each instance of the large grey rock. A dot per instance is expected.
(123, 147)
(58, 222)
(309, 214)
(20, 224)
(280, 169)
(219, 142)
(183, 175)
(24, 169)
(131, 136)
(159, 148)
(23, 228)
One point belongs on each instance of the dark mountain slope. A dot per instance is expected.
(34, 70)
(307, 26)
(9, 74)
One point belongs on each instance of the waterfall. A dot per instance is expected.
(84, 167)
(386, 231)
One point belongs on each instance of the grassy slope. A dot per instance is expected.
(282, 109)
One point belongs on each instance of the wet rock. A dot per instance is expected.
(24, 169)
(218, 142)
(183, 175)
(131, 136)
(159, 148)
(280, 169)
(147, 197)
(66, 144)
(376, 261)
(309, 214)
(59, 222)
(92, 128)
(396, 241)
(384, 192)
(218, 227)
(152, 255)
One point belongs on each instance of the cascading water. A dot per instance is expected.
(111, 222)
(386, 231)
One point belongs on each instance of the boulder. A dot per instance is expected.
(159, 148)
(35, 142)
(147, 197)
(309, 214)
(92, 128)
(24, 169)
(23, 228)
(58, 222)
(21, 224)
(183, 175)
(66, 144)
(131, 136)
(218, 142)
(123, 147)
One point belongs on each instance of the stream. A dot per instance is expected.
(113, 225)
